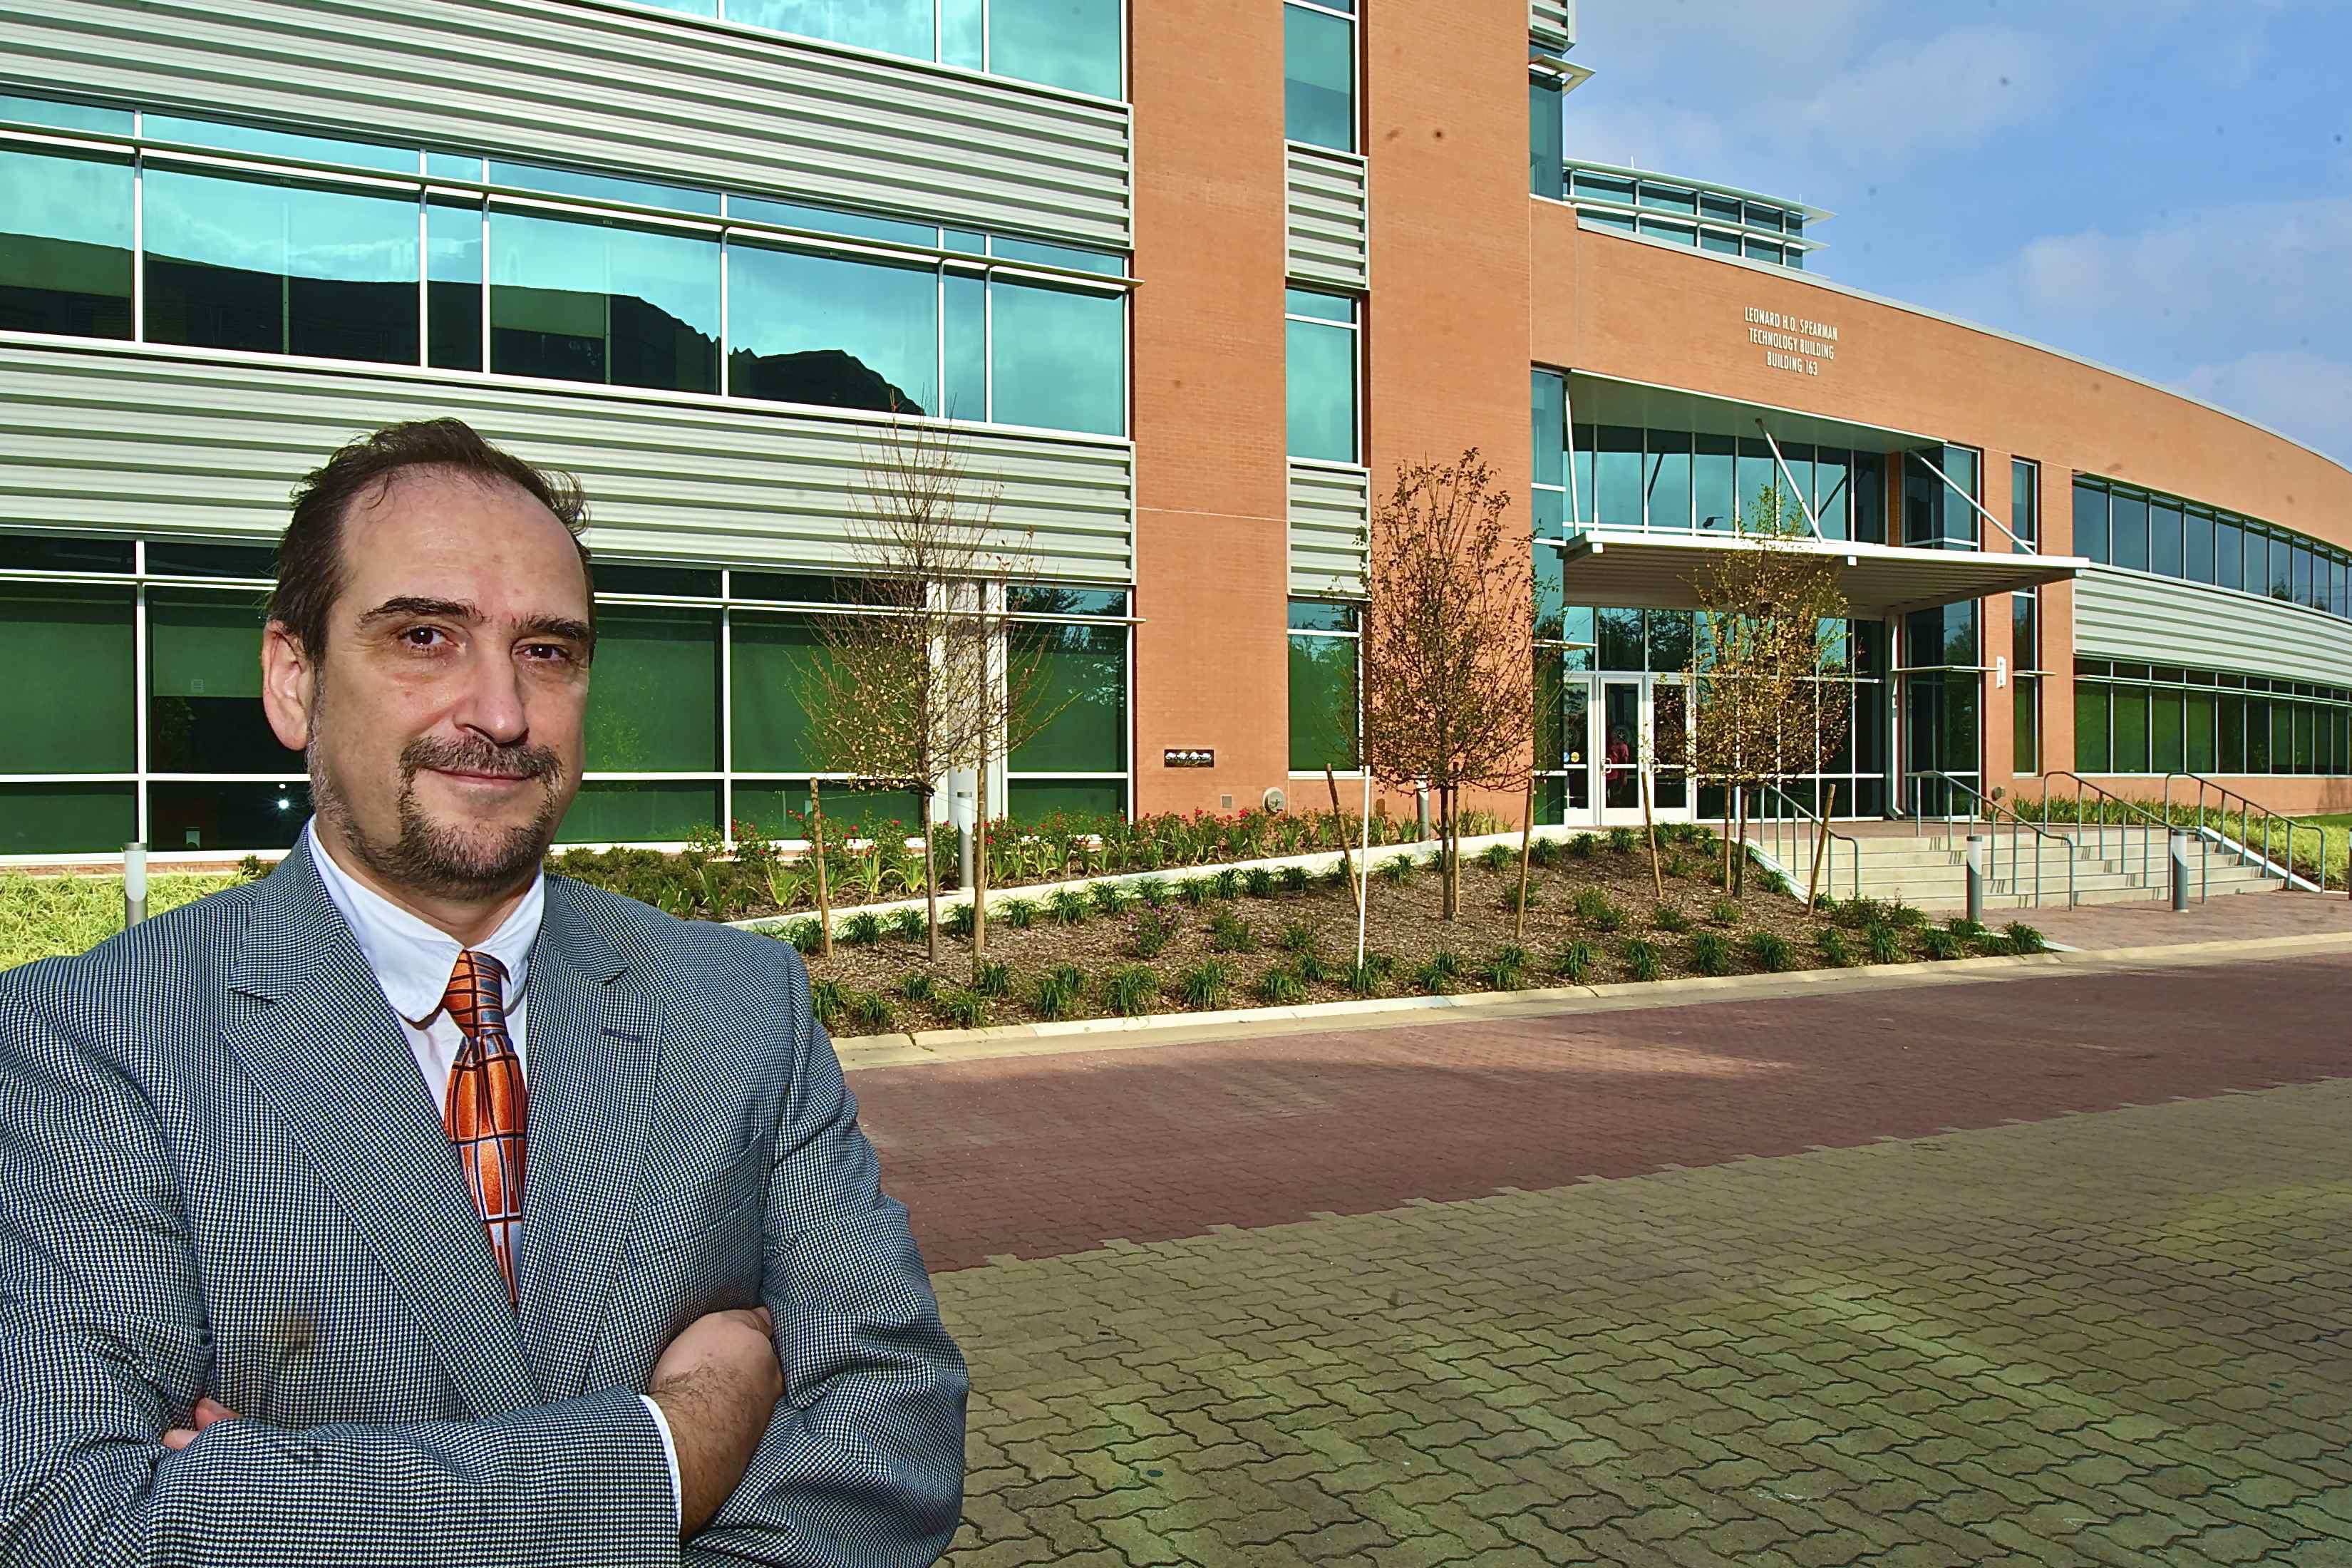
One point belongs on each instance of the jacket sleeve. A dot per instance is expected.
(104, 1345)
(863, 1461)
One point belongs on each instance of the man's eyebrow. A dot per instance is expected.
(412, 604)
(555, 626)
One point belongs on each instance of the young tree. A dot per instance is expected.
(902, 692)
(1769, 655)
(1448, 644)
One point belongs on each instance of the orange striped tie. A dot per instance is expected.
(487, 1107)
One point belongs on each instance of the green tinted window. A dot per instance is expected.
(1322, 615)
(1108, 263)
(1322, 702)
(792, 214)
(280, 143)
(1545, 139)
(203, 682)
(453, 263)
(273, 268)
(624, 811)
(1666, 479)
(64, 245)
(1320, 368)
(66, 819)
(2168, 731)
(2092, 751)
(1039, 599)
(1547, 426)
(652, 691)
(1060, 358)
(1062, 43)
(1033, 800)
(1078, 684)
(227, 815)
(1318, 78)
(893, 27)
(2131, 717)
(831, 331)
(774, 655)
(599, 302)
(781, 808)
(65, 116)
(80, 715)
(2204, 752)
(963, 342)
(2127, 542)
(2025, 726)
(602, 188)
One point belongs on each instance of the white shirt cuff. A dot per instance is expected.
(669, 1452)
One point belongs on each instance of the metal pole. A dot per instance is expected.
(134, 884)
(1975, 878)
(2179, 871)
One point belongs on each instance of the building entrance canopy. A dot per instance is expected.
(1660, 571)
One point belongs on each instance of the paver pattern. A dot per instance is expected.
(2236, 917)
(2112, 1333)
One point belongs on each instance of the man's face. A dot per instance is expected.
(443, 721)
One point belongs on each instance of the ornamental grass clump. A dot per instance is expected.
(1642, 960)
(1939, 944)
(1196, 890)
(916, 985)
(1434, 978)
(1624, 841)
(1506, 969)
(1396, 870)
(1130, 989)
(1206, 985)
(1279, 987)
(1069, 907)
(1297, 936)
(993, 978)
(806, 936)
(829, 1000)
(1150, 934)
(1883, 942)
(1019, 914)
(1544, 853)
(1293, 879)
(869, 1010)
(2024, 937)
(963, 1009)
(1258, 882)
(1227, 882)
(1723, 912)
(1574, 962)
(957, 919)
(1228, 932)
(1595, 909)
(1153, 892)
(1770, 951)
(1708, 953)
(1497, 857)
(1365, 979)
(1906, 916)
(1057, 992)
(909, 925)
(1831, 944)
(1513, 902)
(1670, 920)
(1580, 846)
(861, 929)
(1110, 899)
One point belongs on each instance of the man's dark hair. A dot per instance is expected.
(311, 550)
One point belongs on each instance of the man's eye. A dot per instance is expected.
(424, 636)
(547, 653)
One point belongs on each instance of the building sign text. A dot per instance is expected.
(1797, 344)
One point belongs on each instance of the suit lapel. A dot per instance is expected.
(312, 1027)
(595, 1043)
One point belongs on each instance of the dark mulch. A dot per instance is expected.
(1404, 925)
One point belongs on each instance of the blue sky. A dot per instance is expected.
(2160, 185)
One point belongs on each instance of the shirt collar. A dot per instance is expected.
(412, 960)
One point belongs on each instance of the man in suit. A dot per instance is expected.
(412, 1206)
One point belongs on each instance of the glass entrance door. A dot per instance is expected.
(1640, 728)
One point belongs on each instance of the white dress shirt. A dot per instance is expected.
(413, 962)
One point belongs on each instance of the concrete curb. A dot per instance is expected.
(908, 1047)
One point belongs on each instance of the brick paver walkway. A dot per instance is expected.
(2105, 1332)
(2238, 916)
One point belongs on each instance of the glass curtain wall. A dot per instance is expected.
(1627, 477)
(713, 296)
(2147, 531)
(2136, 718)
(1074, 44)
(1321, 353)
(2025, 673)
(1318, 73)
(694, 709)
(1942, 670)
(1326, 721)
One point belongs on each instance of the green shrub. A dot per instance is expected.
(1206, 984)
(1049, 998)
(805, 936)
(1196, 890)
(1939, 944)
(1511, 899)
(1544, 853)
(1624, 841)
(1831, 944)
(1434, 978)
(957, 919)
(1019, 914)
(828, 1001)
(1574, 960)
(1724, 912)
(1448, 963)
(1770, 951)
(1906, 917)
(1964, 928)
(861, 929)
(1110, 899)
(1130, 989)
(1278, 987)
(1670, 920)
(991, 979)
(1682, 866)
(869, 1010)
(1153, 892)
(916, 985)
(1580, 846)
(1595, 909)
(2024, 937)
(1643, 961)
(1148, 935)
(1396, 870)
(1497, 858)
(1293, 879)
(1069, 907)
(1859, 913)
(1884, 943)
(1297, 936)
(1506, 969)
(909, 925)
(1313, 967)
(1708, 953)
(1228, 883)
(1365, 979)
(1258, 882)
(963, 1009)
(1228, 932)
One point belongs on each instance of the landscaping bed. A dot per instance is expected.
(1196, 943)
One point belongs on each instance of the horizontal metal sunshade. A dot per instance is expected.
(659, 96)
(1552, 23)
(164, 445)
(2146, 619)
(1330, 508)
(1328, 228)
(1659, 570)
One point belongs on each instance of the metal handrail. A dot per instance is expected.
(2246, 809)
(1991, 811)
(1775, 827)
(2147, 846)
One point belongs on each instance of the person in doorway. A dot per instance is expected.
(1619, 767)
(412, 1207)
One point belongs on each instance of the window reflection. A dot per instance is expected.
(64, 245)
(834, 332)
(589, 301)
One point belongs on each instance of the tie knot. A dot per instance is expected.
(475, 999)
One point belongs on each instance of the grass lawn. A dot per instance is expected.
(41, 917)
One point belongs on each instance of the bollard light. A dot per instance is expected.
(1975, 878)
(134, 884)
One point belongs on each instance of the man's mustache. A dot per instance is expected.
(479, 756)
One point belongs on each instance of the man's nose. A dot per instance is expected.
(493, 703)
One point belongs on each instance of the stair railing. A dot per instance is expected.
(1782, 839)
(1983, 808)
(2251, 811)
(2156, 835)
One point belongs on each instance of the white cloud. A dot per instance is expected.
(2298, 392)
(1946, 92)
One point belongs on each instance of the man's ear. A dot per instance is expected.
(289, 686)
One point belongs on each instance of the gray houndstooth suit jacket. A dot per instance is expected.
(220, 1174)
